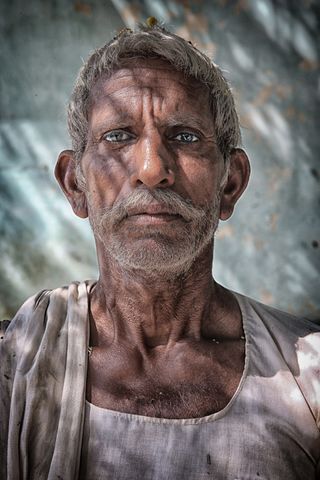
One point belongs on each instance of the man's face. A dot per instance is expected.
(152, 167)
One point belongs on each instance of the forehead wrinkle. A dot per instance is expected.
(178, 115)
(189, 85)
(119, 105)
(120, 110)
(149, 73)
(173, 92)
(149, 70)
(137, 90)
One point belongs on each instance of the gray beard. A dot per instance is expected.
(169, 256)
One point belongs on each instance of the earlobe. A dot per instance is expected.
(65, 173)
(239, 173)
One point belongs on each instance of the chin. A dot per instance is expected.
(156, 255)
(162, 252)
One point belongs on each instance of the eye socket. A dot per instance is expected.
(117, 136)
(186, 137)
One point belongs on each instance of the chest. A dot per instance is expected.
(228, 447)
(182, 387)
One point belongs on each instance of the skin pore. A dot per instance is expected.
(154, 188)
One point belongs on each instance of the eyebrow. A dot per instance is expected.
(113, 121)
(120, 120)
(189, 120)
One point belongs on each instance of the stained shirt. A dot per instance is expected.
(269, 429)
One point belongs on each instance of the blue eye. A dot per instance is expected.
(117, 136)
(186, 137)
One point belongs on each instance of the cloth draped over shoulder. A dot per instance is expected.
(47, 340)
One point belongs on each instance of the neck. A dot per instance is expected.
(149, 311)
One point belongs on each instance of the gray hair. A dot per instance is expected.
(154, 41)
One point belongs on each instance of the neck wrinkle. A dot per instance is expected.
(147, 313)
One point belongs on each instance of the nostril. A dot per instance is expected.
(152, 176)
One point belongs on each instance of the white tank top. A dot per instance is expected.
(268, 430)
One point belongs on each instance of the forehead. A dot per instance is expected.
(153, 76)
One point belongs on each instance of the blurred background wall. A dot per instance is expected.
(269, 51)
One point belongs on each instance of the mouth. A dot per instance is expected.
(153, 214)
(154, 218)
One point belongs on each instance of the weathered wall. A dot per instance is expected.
(268, 50)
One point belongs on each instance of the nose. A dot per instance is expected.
(153, 164)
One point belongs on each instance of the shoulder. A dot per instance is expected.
(297, 341)
(38, 313)
(291, 333)
(26, 328)
(16, 327)
(285, 326)
(40, 327)
(34, 306)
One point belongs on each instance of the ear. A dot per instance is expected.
(65, 173)
(239, 173)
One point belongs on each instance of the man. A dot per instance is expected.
(155, 371)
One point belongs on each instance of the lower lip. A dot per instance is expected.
(154, 219)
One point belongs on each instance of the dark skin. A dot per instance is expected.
(152, 336)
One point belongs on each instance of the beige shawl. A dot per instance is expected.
(43, 368)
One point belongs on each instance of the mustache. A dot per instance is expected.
(140, 199)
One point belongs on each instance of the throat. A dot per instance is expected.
(131, 307)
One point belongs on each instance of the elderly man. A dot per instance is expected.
(155, 371)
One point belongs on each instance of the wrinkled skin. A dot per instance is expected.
(156, 308)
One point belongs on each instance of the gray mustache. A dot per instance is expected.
(141, 199)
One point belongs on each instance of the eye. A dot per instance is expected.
(116, 136)
(186, 137)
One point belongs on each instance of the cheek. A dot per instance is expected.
(201, 179)
(105, 179)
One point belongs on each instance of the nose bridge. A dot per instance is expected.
(153, 154)
(153, 167)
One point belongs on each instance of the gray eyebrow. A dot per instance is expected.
(122, 119)
(187, 120)
(111, 120)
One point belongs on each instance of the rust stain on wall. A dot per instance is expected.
(265, 94)
(241, 6)
(309, 65)
(84, 8)
(131, 14)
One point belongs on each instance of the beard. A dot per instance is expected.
(169, 250)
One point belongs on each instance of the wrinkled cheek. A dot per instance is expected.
(105, 182)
